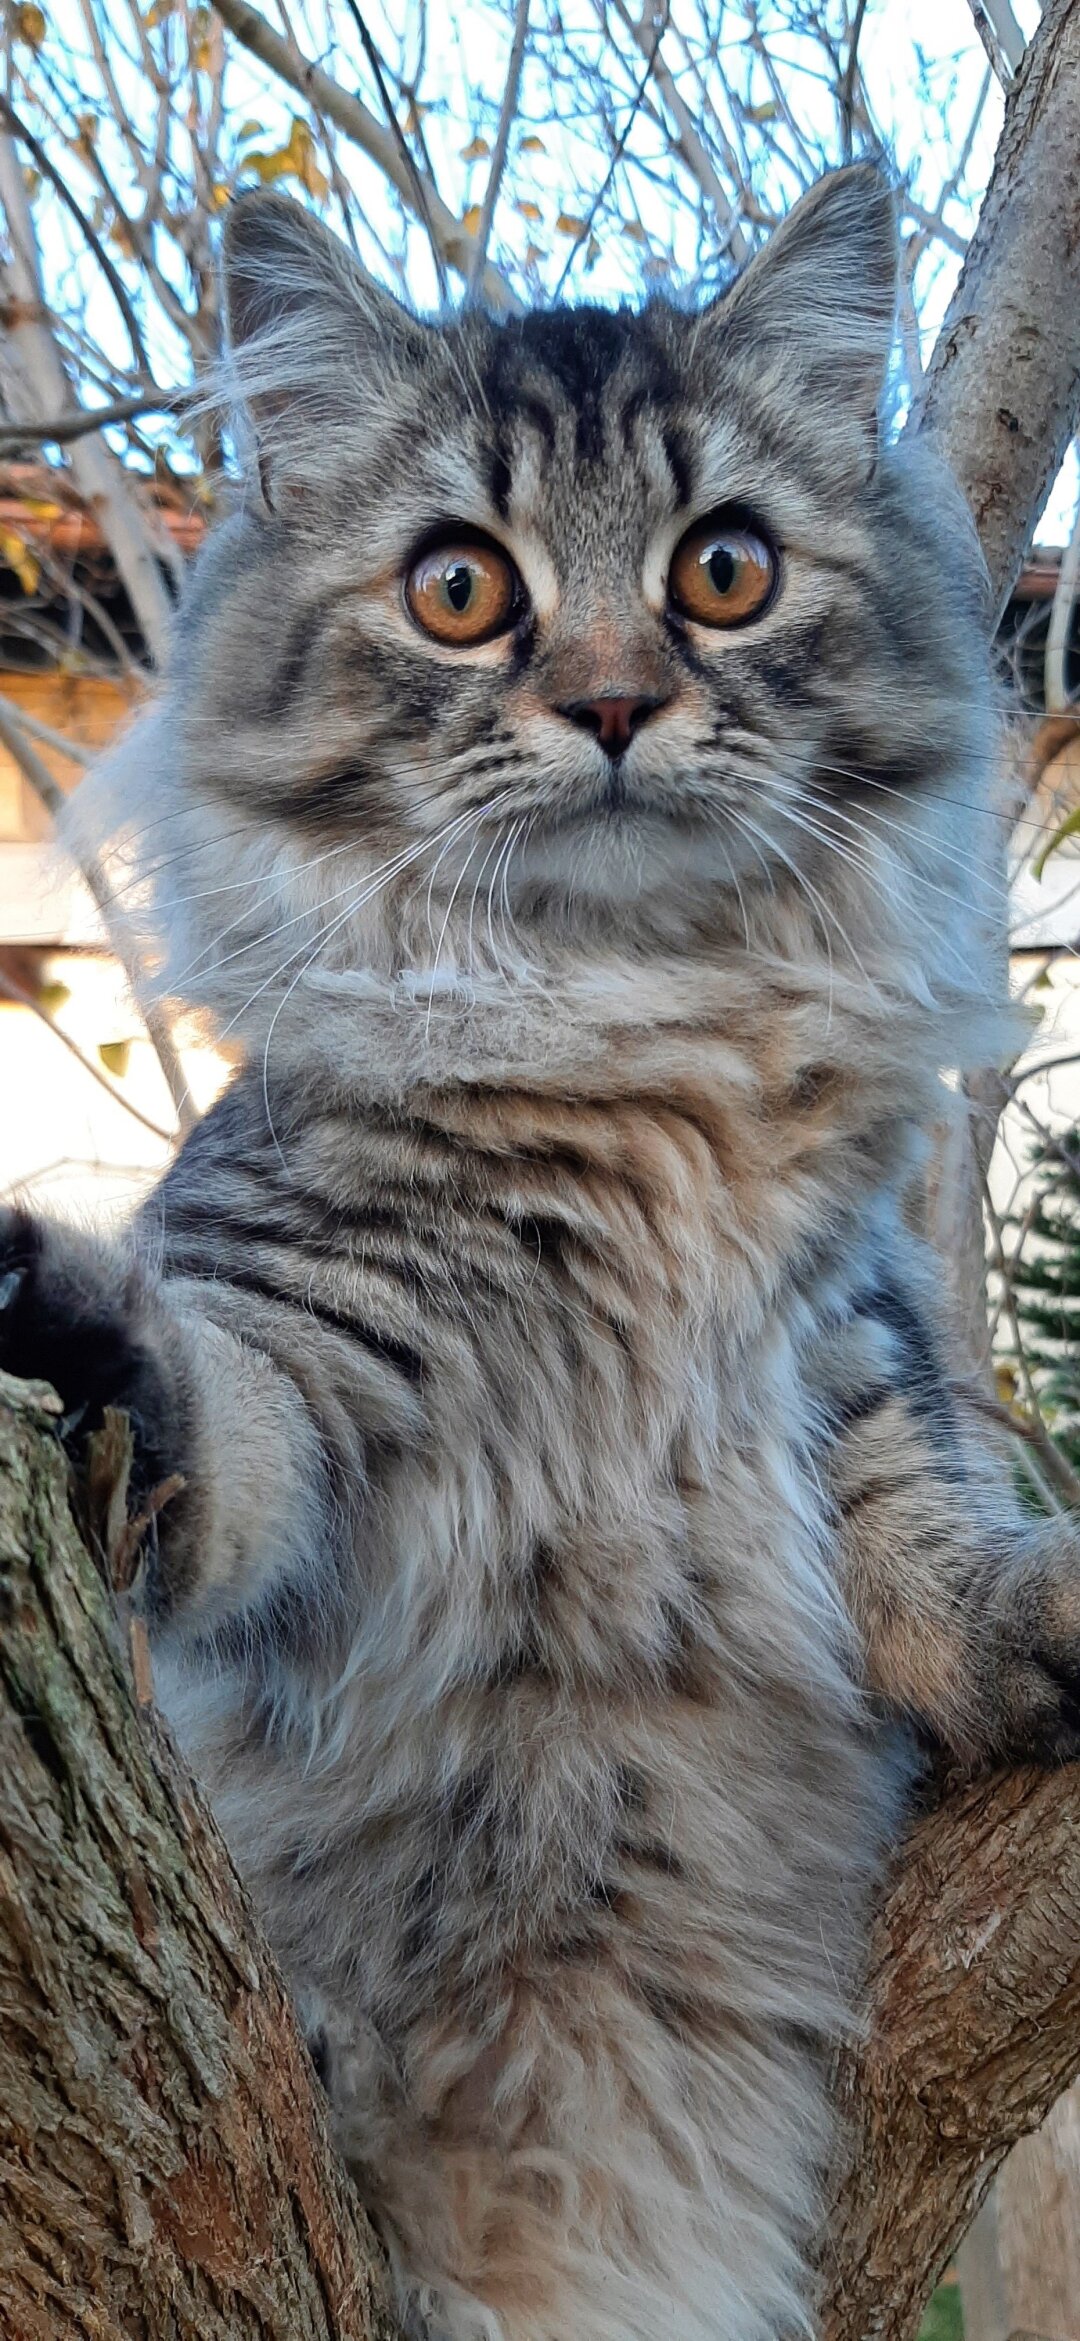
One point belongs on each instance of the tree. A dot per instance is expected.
(975, 1975)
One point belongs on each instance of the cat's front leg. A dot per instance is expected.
(204, 1404)
(968, 1613)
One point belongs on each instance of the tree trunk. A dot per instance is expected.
(1002, 401)
(165, 2169)
(1002, 394)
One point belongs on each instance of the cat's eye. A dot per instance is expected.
(723, 573)
(463, 591)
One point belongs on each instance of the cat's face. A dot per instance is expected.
(596, 600)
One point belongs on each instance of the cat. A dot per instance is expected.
(565, 796)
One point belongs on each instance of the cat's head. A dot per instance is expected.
(588, 607)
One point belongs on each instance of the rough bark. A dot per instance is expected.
(165, 2170)
(1002, 394)
(973, 2016)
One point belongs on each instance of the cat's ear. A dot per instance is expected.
(823, 289)
(311, 335)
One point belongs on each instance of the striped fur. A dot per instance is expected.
(576, 1501)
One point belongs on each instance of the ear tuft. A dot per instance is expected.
(824, 287)
(308, 328)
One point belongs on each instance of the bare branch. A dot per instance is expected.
(357, 123)
(20, 999)
(1001, 37)
(1002, 393)
(97, 473)
(420, 195)
(507, 112)
(52, 798)
(60, 430)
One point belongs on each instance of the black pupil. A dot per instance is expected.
(459, 585)
(722, 567)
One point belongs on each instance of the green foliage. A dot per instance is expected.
(944, 2319)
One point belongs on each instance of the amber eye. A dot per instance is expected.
(723, 573)
(463, 591)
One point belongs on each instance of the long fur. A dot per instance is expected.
(576, 1500)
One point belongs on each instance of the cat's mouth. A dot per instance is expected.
(613, 804)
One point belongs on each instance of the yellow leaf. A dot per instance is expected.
(633, 228)
(115, 1056)
(16, 552)
(53, 997)
(29, 24)
(530, 211)
(475, 151)
(219, 195)
(201, 57)
(268, 167)
(766, 112)
(158, 11)
(249, 129)
(470, 219)
(568, 224)
(532, 144)
(41, 508)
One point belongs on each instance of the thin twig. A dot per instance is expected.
(20, 999)
(402, 144)
(845, 100)
(507, 112)
(1001, 37)
(60, 430)
(52, 798)
(111, 274)
(361, 126)
(618, 150)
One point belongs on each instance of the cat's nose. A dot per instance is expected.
(612, 722)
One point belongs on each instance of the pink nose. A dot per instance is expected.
(612, 722)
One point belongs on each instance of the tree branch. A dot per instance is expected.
(165, 2166)
(37, 773)
(360, 125)
(974, 2031)
(507, 113)
(97, 474)
(60, 430)
(1002, 395)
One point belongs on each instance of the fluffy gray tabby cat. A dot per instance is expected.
(566, 791)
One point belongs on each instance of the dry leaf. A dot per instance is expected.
(470, 219)
(532, 144)
(29, 24)
(568, 224)
(530, 211)
(16, 552)
(475, 151)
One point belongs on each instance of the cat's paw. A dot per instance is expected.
(79, 1317)
(1037, 1670)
